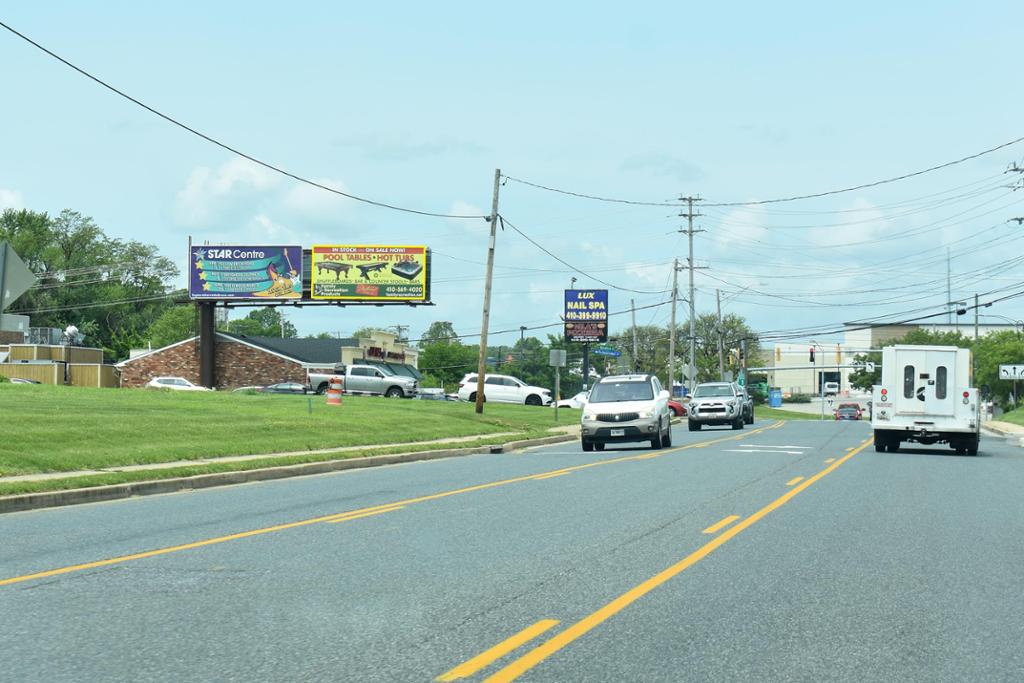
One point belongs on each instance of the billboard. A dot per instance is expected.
(369, 273)
(586, 315)
(245, 272)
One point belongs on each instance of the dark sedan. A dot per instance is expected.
(284, 388)
(848, 413)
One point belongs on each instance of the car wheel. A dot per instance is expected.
(656, 442)
(972, 449)
(750, 419)
(738, 423)
(667, 441)
(472, 398)
(394, 392)
(587, 445)
(533, 400)
(694, 426)
(322, 388)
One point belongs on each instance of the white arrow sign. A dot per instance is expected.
(1015, 371)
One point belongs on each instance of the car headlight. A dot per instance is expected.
(589, 416)
(646, 414)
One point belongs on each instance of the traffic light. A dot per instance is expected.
(778, 354)
(812, 354)
(839, 355)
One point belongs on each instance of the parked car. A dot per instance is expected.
(19, 380)
(368, 380)
(624, 408)
(576, 402)
(284, 388)
(435, 394)
(677, 408)
(831, 388)
(504, 389)
(720, 403)
(175, 383)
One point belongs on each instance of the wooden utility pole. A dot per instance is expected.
(721, 359)
(482, 364)
(632, 309)
(690, 215)
(672, 328)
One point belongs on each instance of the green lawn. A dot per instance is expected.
(61, 429)
(767, 413)
(1014, 416)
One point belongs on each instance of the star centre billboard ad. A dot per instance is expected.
(369, 273)
(245, 272)
(586, 315)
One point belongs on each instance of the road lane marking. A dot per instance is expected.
(359, 515)
(794, 480)
(718, 526)
(830, 460)
(588, 623)
(484, 659)
(757, 450)
(551, 475)
(323, 518)
(763, 445)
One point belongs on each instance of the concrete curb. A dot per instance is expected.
(1001, 431)
(94, 494)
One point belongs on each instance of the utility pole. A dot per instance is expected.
(672, 328)
(482, 362)
(975, 316)
(949, 288)
(632, 309)
(399, 329)
(690, 215)
(721, 351)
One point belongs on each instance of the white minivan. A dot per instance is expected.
(504, 389)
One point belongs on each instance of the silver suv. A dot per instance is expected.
(719, 403)
(624, 408)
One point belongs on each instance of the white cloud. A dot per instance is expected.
(474, 226)
(11, 199)
(650, 274)
(207, 191)
(263, 229)
(315, 203)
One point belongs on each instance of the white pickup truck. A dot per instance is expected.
(368, 380)
(926, 396)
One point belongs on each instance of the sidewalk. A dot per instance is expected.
(1007, 429)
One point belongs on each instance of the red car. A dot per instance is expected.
(677, 408)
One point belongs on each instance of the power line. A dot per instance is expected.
(776, 200)
(228, 147)
(118, 302)
(529, 239)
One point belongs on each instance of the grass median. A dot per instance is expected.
(64, 429)
(1013, 417)
(764, 412)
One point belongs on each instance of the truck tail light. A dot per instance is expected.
(966, 394)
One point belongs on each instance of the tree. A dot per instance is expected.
(733, 330)
(321, 335)
(364, 332)
(446, 364)
(112, 287)
(440, 331)
(263, 322)
(173, 325)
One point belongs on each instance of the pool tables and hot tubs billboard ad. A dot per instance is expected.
(369, 273)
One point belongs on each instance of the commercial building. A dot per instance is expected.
(255, 361)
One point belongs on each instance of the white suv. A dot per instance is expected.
(624, 408)
(504, 389)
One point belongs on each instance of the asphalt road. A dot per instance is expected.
(787, 551)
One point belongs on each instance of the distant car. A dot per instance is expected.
(175, 383)
(431, 395)
(576, 402)
(848, 411)
(248, 389)
(19, 380)
(284, 388)
(504, 389)
(677, 408)
(831, 388)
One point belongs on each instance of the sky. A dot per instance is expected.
(417, 104)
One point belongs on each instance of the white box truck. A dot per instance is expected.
(926, 396)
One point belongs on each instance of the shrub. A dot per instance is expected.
(798, 398)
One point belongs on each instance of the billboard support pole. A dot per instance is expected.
(482, 363)
(207, 335)
(586, 366)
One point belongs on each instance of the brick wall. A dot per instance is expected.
(236, 365)
(11, 337)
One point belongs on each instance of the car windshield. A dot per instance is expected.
(614, 392)
(712, 390)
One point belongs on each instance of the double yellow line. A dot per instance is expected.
(588, 623)
(346, 516)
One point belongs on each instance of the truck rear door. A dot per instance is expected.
(927, 383)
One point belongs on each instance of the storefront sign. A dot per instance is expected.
(586, 315)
